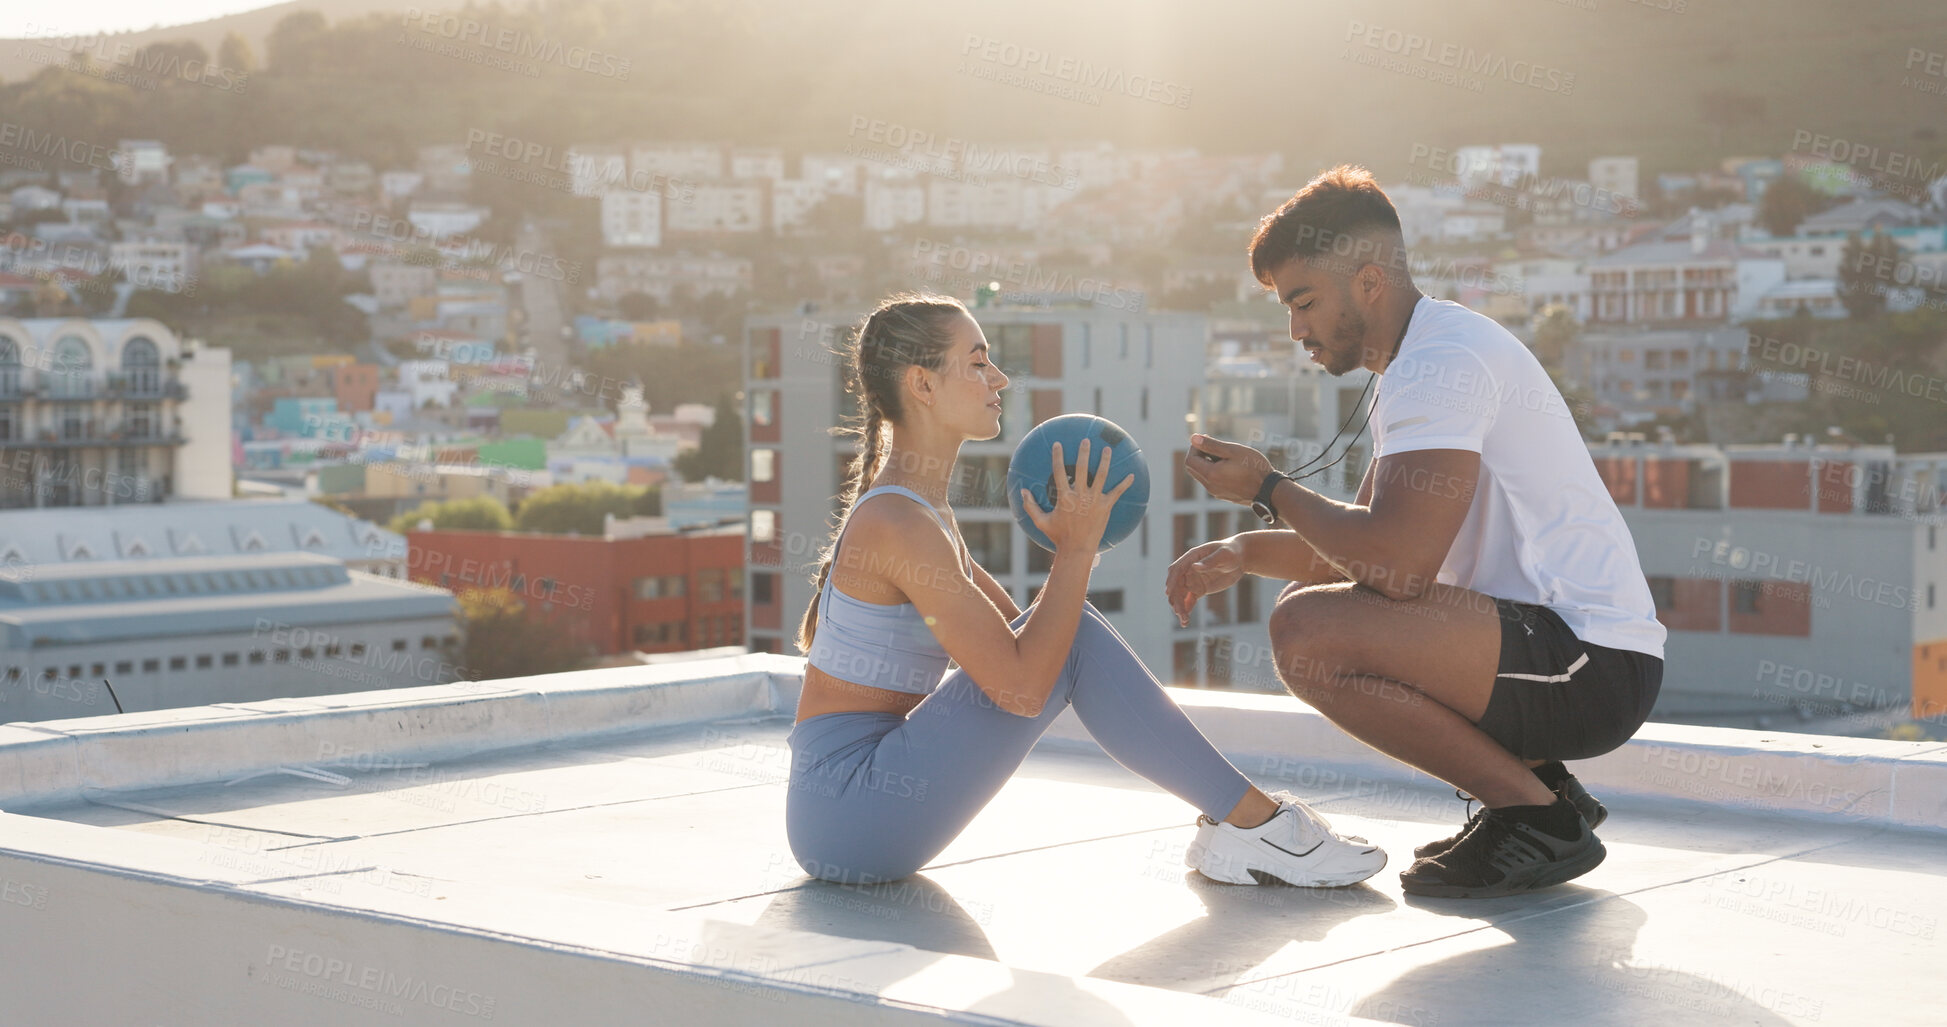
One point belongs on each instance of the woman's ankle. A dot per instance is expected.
(1255, 809)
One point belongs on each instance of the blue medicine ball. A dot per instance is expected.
(1032, 468)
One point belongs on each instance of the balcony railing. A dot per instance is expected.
(115, 386)
(94, 433)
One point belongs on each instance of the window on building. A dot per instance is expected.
(124, 666)
(1653, 360)
(204, 661)
(709, 585)
(1744, 595)
(1013, 349)
(1246, 589)
(763, 525)
(256, 657)
(280, 656)
(151, 666)
(1664, 591)
(1183, 663)
(1106, 600)
(1145, 404)
(358, 650)
(666, 586)
(429, 641)
(763, 465)
(307, 654)
(763, 406)
(1216, 662)
(230, 659)
(97, 670)
(763, 588)
(399, 645)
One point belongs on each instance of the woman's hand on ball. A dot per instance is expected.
(1082, 507)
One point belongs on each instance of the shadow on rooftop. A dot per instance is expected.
(1574, 948)
(1245, 926)
(912, 911)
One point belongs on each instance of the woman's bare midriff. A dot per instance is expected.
(826, 694)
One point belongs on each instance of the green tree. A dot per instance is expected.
(720, 452)
(577, 508)
(502, 640)
(295, 43)
(480, 513)
(1787, 202)
(1555, 332)
(235, 54)
(1580, 401)
(1865, 270)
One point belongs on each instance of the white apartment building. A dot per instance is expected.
(995, 203)
(1507, 164)
(106, 412)
(595, 170)
(441, 219)
(687, 162)
(632, 218)
(396, 284)
(792, 199)
(720, 207)
(894, 201)
(668, 276)
(1146, 373)
(757, 163)
(1618, 176)
(1704, 279)
(142, 161)
(834, 172)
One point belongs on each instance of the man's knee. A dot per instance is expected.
(1308, 630)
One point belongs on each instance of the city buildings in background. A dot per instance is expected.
(86, 637)
(1800, 582)
(642, 588)
(105, 412)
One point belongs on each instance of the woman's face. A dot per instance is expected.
(970, 384)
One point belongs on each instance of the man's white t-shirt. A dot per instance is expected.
(1542, 528)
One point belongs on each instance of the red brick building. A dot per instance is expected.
(657, 593)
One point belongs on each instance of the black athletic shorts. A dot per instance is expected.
(1557, 697)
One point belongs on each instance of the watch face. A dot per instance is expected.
(1263, 513)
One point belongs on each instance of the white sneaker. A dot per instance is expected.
(1296, 846)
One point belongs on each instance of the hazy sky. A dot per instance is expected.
(70, 17)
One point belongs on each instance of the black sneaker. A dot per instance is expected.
(1502, 855)
(1589, 806)
(1436, 848)
(1592, 809)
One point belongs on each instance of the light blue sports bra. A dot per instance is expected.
(875, 644)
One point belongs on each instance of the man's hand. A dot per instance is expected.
(1225, 469)
(1211, 567)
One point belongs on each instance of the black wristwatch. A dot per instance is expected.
(1262, 504)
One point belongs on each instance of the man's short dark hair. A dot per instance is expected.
(1342, 212)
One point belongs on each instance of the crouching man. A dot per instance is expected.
(1478, 611)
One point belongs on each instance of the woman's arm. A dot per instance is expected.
(1017, 670)
(994, 591)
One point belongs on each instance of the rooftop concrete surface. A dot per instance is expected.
(585, 848)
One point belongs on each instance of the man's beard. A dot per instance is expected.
(1348, 343)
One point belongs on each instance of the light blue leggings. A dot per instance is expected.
(875, 796)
